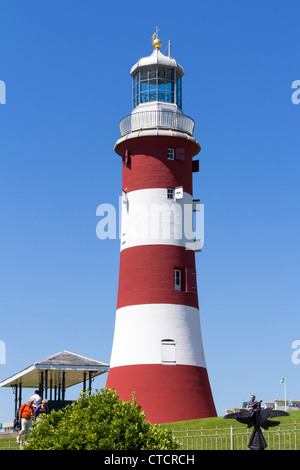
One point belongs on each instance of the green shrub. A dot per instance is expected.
(100, 421)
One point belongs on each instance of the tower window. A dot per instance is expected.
(170, 193)
(177, 279)
(168, 356)
(171, 153)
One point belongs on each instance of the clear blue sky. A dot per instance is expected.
(66, 69)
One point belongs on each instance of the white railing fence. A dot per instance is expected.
(284, 437)
(157, 119)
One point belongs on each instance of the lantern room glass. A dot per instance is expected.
(157, 83)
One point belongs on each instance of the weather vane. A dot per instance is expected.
(155, 35)
(257, 418)
(155, 41)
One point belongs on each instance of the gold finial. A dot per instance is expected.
(156, 43)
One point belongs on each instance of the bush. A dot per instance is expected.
(100, 421)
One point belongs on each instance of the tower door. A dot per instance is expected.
(168, 356)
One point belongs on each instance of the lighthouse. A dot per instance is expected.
(157, 351)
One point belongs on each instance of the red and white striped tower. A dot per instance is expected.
(157, 348)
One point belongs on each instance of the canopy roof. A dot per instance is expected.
(156, 58)
(73, 365)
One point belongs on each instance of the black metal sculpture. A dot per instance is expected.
(257, 418)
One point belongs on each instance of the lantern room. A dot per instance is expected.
(157, 79)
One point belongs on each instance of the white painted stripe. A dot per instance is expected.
(149, 217)
(140, 329)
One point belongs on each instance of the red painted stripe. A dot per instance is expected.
(146, 275)
(149, 167)
(166, 393)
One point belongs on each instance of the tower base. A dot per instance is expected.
(167, 393)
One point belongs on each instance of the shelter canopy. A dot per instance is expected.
(69, 366)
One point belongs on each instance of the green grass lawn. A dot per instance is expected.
(9, 443)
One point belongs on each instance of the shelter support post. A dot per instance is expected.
(63, 390)
(20, 394)
(90, 382)
(16, 400)
(46, 384)
(41, 385)
(84, 382)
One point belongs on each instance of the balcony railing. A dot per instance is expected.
(157, 119)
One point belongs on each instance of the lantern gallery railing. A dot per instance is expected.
(157, 119)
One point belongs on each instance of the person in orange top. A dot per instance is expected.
(25, 418)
